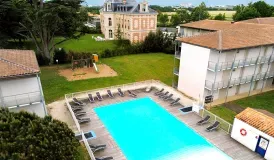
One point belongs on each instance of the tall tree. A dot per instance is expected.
(10, 14)
(245, 12)
(46, 19)
(27, 136)
(184, 15)
(175, 19)
(263, 8)
(200, 13)
(163, 19)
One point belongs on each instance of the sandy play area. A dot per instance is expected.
(88, 73)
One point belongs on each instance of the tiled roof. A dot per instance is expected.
(257, 120)
(238, 35)
(17, 63)
(267, 20)
(211, 25)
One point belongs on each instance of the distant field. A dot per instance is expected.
(228, 14)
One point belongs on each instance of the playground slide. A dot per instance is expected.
(95, 67)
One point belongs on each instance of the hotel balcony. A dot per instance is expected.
(238, 63)
(176, 71)
(178, 55)
(237, 81)
(21, 99)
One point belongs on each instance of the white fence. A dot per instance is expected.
(87, 146)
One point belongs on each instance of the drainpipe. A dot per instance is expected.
(215, 76)
(268, 67)
(254, 72)
(41, 94)
(232, 67)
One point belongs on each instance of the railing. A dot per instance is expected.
(226, 126)
(237, 81)
(176, 71)
(178, 54)
(175, 85)
(91, 155)
(20, 99)
(239, 63)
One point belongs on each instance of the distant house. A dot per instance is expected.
(20, 86)
(136, 20)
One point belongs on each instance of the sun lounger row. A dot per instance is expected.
(166, 97)
(98, 148)
(212, 127)
(79, 114)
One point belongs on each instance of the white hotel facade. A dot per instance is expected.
(224, 60)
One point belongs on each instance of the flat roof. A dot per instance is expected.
(257, 120)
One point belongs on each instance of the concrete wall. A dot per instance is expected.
(22, 91)
(251, 138)
(193, 69)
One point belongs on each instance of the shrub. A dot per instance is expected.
(79, 55)
(60, 55)
(27, 136)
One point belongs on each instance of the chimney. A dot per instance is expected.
(124, 1)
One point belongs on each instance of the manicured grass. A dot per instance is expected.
(261, 101)
(86, 44)
(224, 113)
(131, 68)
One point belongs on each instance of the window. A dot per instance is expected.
(110, 34)
(109, 22)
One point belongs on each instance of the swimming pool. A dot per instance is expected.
(146, 131)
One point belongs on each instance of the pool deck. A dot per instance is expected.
(219, 138)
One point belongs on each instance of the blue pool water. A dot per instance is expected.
(146, 131)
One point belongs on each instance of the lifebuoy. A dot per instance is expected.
(243, 132)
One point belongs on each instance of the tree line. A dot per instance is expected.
(41, 21)
(184, 16)
(253, 10)
(181, 16)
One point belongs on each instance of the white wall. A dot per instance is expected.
(251, 138)
(21, 91)
(193, 70)
(17, 86)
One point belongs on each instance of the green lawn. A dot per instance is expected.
(131, 68)
(261, 101)
(82, 153)
(86, 44)
(224, 113)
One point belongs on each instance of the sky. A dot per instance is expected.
(194, 2)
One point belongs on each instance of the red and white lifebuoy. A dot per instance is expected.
(243, 132)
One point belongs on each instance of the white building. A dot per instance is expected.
(226, 62)
(20, 86)
(255, 131)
